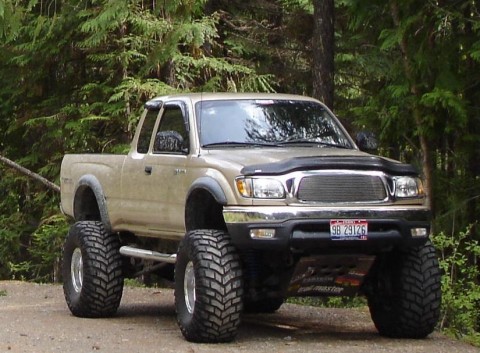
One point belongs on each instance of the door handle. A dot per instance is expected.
(148, 170)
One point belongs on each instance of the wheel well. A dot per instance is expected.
(86, 205)
(202, 211)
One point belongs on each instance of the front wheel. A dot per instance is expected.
(92, 270)
(208, 287)
(406, 296)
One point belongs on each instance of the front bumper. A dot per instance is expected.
(308, 228)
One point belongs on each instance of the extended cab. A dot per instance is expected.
(244, 200)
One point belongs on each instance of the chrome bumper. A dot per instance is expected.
(272, 215)
(309, 227)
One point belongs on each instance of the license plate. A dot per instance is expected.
(348, 229)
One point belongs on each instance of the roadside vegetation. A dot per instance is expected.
(75, 74)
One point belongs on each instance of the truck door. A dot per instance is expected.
(134, 201)
(166, 166)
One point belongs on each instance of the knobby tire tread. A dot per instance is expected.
(219, 288)
(102, 288)
(411, 308)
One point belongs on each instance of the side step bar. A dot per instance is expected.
(148, 254)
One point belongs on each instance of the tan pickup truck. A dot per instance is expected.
(243, 200)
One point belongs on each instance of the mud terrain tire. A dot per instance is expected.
(406, 297)
(92, 270)
(208, 287)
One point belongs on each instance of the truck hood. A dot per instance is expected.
(276, 161)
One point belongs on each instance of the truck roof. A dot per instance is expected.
(204, 96)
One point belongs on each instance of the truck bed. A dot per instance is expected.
(104, 170)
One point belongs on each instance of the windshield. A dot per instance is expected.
(268, 122)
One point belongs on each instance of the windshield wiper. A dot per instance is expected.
(310, 142)
(238, 144)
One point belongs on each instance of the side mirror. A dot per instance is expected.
(169, 141)
(366, 141)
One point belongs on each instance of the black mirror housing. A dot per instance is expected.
(366, 141)
(168, 141)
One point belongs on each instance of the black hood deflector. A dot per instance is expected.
(333, 162)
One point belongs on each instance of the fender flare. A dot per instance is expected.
(211, 185)
(89, 181)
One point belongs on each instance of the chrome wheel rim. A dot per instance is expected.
(189, 287)
(76, 270)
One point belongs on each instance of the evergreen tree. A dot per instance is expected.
(323, 50)
(418, 67)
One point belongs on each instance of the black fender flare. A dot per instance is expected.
(89, 181)
(212, 186)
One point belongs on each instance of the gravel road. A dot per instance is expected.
(35, 318)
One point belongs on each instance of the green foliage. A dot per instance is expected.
(460, 282)
(10, 19)
(412, 74)
(10, 244)
(330, 302)
(44, 252)
(15, 225)
(45, 249)
(134, 283)
(29, 249)
(445, 99)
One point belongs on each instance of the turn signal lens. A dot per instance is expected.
(260, 188)
(244, 187)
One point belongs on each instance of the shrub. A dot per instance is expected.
(45, 249)
(459, 255)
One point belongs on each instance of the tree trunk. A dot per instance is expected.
(323, 45)
(473, 126)
(29, 173)
(427, 164)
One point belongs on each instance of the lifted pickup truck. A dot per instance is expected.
(244, 200)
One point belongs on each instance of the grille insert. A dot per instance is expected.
(341, 188)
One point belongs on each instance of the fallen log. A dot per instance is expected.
(29, 173)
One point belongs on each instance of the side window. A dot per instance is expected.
(172, 135)
(146, 131)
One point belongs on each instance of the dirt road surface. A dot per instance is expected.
(35, 318)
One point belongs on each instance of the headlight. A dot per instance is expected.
(260, 188)
(408, 187)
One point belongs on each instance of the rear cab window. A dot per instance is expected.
(147, 131)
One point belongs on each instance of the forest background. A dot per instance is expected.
(76, 73)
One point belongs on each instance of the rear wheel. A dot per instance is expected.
(92, 270)
(208, 287)
(406, 293)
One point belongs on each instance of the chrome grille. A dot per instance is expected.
(333, 188)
